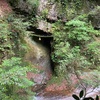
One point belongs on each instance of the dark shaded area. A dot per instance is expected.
(18, 11)
(45, 41)
(96, 28)
(51, 20)
(43, 38)
(38, 32)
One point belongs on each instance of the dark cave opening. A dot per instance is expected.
(39, 32)
(44, 39)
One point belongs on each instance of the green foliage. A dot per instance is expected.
(92, 79)
(13, 78)
(17, 25)
(94, 49)
(12, 35)
(34, 4)
(44, 13)
(13, 71)
(81, 31)
(77, 3)
(75, 47)
(55, 80)
(5, 43)
(18, 30)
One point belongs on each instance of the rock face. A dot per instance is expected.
(42, 5)
(5, 8)
(54, 10)
(38, 56)
(49, 9)
(44, 25)
(52, 13)
(94, 17)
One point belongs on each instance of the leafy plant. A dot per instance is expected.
(44, 13)
(13, 78)
(5, 43)
(12, 68)
(11, 35)
(34, 4)
(94, 49)
(72, 41)
(82, 96)
(77, 3)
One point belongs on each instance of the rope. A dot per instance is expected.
(42, 36)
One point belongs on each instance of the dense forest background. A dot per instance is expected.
(73, 28)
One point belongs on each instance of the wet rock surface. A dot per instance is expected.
(38, 57)
(64, 95)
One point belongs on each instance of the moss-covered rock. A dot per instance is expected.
(94, 17)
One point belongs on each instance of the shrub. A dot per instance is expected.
(73, 46)
(12, 68)
(13, 78)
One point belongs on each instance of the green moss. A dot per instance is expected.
(44, 13)
(56, 80)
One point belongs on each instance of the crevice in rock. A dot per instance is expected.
(50, 20)
(39, 33)
(43, 38)
(97, 28)
(18, 11)
(54, 21)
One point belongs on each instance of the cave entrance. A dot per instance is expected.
(45, 39)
